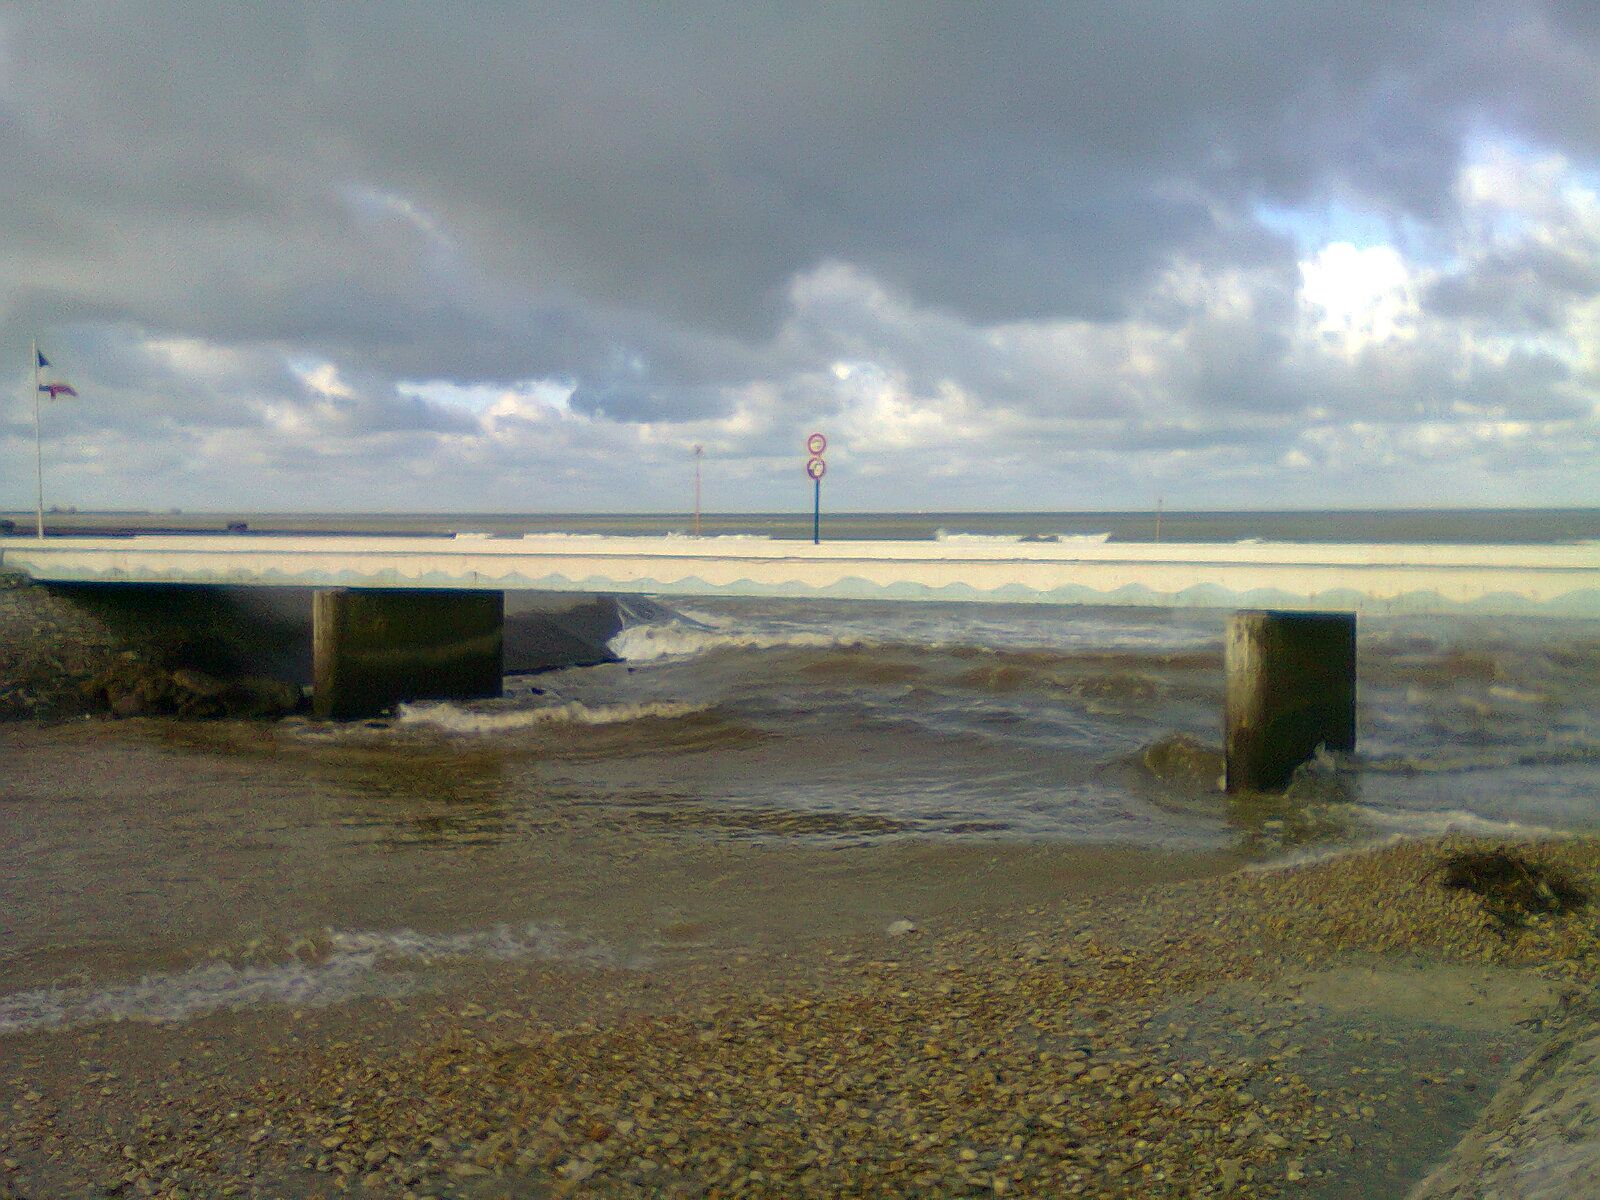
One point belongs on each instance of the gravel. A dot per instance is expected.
(1079, 1053)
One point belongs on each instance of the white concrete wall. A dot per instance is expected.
(1548, 580)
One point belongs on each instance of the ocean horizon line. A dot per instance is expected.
(788, 513)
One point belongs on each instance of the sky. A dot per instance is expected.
(526, 256)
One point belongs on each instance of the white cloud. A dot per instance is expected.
(1357, 298)
(324, 380)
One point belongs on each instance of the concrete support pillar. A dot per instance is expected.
(376, 647)
(1291, 688)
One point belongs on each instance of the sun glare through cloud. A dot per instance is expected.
(1359, 297)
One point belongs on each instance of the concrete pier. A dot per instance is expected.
(1383, 580)
(1291, 687)
(375, 648)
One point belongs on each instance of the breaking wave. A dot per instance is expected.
(645, 643)
(1181, 758)
(613, 535)
(1012, 539)
(349, 965)
(456, 719)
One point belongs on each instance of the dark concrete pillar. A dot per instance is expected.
(376, 647)
(1291, 688)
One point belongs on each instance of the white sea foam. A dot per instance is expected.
(1455, 820)
(718, 537)
(1311, 856)
(456, 719)
(357, 963)
(643, 643)
(1517, 695)
(1555, 752)
(1012, 539)
(673, 534)
(1408, 827)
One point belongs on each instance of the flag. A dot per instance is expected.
(54, 390)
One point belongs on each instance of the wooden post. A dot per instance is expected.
(376, 647)
(1291, 687)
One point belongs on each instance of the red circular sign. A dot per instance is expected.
(816, 468)
(816, 444)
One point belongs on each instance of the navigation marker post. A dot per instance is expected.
(816, 468)
(698, 452)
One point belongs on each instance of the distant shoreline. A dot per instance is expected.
(1421, 526)
(649, 514)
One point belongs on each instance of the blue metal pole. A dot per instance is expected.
(816, 515)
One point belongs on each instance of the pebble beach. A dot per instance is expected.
(1324, 1030)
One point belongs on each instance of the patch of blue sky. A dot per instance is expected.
(1313, 228)
(1485, 146)
(304, 364)
(1573, 181)
(1586, 177)
(481, 397)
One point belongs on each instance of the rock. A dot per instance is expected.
(197, 683)
(576, 1170)
(1232, 1172)
(128, 704)
(128, 688)
(258, 696)
(901, 928)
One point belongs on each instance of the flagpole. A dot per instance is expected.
(38, 449)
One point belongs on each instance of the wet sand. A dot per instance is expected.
(1137, 1028)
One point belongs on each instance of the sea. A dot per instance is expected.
(620, 815)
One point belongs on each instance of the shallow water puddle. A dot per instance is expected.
(1408, 1050)
(1465, 997)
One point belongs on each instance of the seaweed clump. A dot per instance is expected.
(1513, 887)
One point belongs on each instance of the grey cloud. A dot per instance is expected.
(685, 160)
(640, 405)
(1530, 287)
(1527, 386)
(647, 200)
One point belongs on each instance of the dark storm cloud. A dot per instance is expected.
(1007, 161)
(701, 213)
